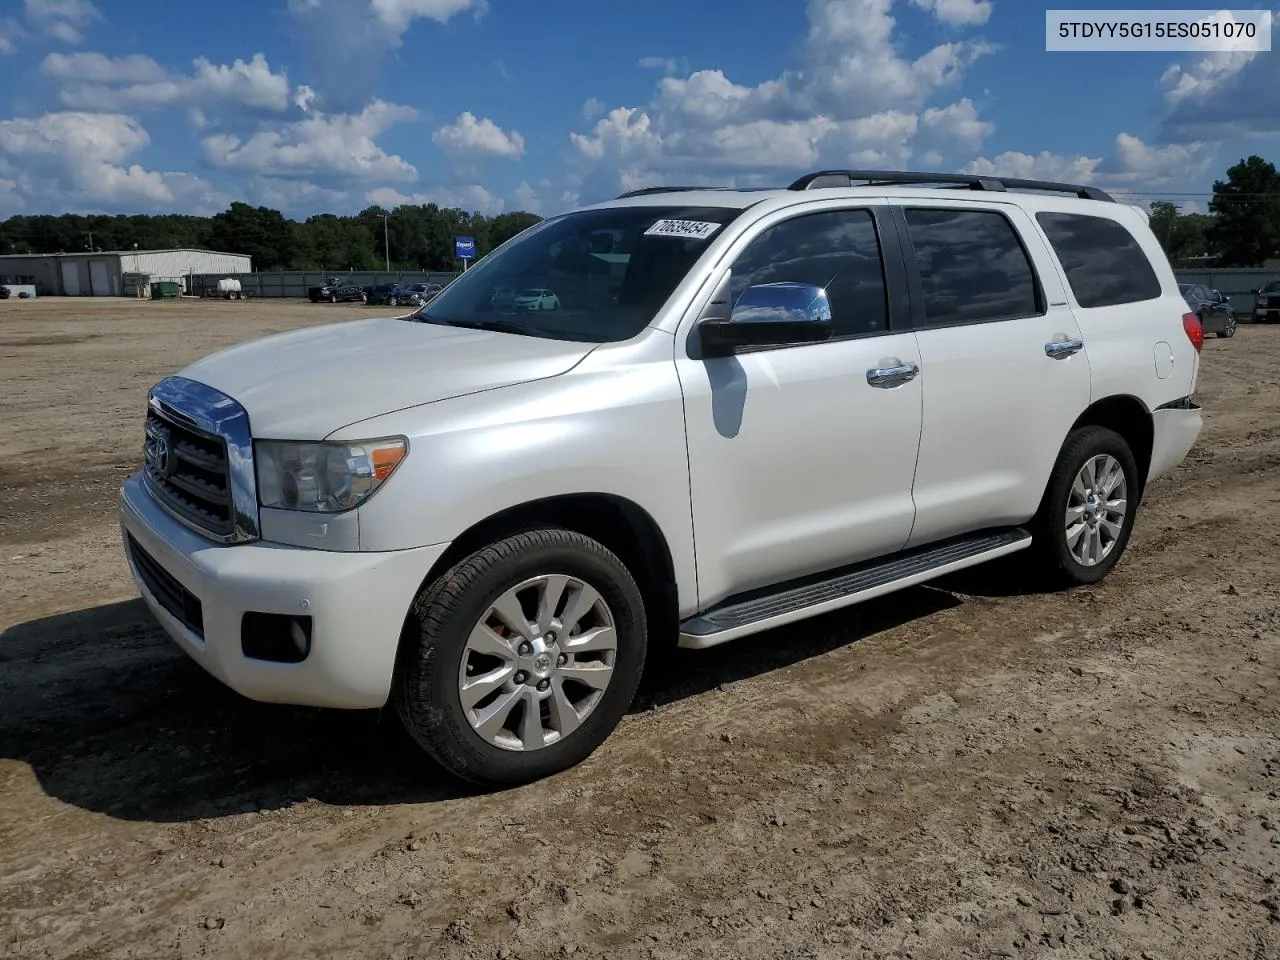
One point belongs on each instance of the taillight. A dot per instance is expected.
(1195, 330)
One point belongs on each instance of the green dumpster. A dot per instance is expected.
(166, 290)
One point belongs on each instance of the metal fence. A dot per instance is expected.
(1237, 283)
(294, 283)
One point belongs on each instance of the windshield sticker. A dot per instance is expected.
(687, 229)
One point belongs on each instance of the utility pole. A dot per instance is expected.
(91, 241)
(386, 242)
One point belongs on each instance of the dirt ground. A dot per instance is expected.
(959, 771)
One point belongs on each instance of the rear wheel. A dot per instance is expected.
(1088, 510)
(1230, 329)
(520, 660)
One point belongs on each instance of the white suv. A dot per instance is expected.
(746, 408)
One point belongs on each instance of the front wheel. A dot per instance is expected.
(1088, 510)
(1230, 329)
(522, 658)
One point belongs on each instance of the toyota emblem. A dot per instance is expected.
(161, 452)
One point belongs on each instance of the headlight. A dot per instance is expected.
(324, 477)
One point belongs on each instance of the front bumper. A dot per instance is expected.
(357, 602)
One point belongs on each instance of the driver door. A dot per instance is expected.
(799, 462)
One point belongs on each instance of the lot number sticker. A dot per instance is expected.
(688, 229)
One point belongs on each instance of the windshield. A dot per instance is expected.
(592, 275)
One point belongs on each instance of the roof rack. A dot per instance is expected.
(646, 191)
(846, 178)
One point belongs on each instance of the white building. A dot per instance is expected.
(114, 273)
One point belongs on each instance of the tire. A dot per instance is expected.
(1058, 562)
(333, 298)
(1230, 329)
(437, 647)
(392, 302)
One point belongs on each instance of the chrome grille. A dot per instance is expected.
(199, 460)
(187, 470)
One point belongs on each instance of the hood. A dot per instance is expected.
(305, 384)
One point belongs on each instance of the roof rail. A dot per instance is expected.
(646, 191)
(846, 178)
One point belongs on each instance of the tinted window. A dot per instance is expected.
(1103, 261)
(972, 267)
(602, 274)
(838, 250)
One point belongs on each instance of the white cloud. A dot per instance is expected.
(81, 160)
(1042, 166)
(99, 68)
(668, 65)
(958, 13)
(65, 20)
(852, 98)
(399, 14)
(98, 82)
(1228, 94)
(471, 137)
(10, 34)
(348, 44)
(304, 98)
(322, 144)
(472, 198)
(593, 108)
(1132, 164)
(958, 123)
(296, 195)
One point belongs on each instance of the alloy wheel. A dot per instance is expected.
(537, 662)
(1096, 508)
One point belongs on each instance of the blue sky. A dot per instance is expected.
(332, 105)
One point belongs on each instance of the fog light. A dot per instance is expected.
(277, 637)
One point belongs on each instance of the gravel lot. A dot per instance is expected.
(962, 770)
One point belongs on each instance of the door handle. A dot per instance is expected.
(892, 376)
(1061, 349)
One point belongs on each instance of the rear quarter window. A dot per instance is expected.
(1104, 264)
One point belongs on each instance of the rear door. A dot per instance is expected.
(1002, 364)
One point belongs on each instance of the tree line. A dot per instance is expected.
(413, 237)
(1241, 229)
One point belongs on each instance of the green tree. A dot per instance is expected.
(1181, 235)
(261, 232)
(421, 235)
(1246, 209)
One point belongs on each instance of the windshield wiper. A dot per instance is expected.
(499, 326)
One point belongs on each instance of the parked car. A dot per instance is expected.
(336, 290)
(4, 293)
(1266, 303)
(537, 298)
(489, 519)
(1213, 309)
(403, 294)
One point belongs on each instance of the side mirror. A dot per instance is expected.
(770, 315)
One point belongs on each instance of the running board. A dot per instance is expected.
(853, 585)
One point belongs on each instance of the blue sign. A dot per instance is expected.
(464, 248)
